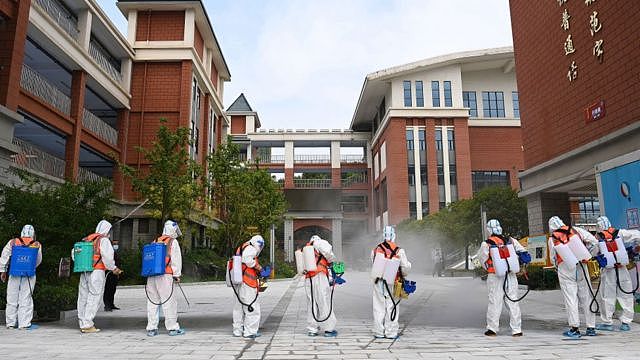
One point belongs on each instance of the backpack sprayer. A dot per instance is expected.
(617, 255)
(234, 274)
(154, 263)
(386, 269)
(23, 262)
(506, 260)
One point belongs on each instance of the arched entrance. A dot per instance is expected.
(303, 234)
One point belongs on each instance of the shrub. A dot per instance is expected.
(50, 299)
(540, 278)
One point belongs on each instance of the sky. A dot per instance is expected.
(302, 63)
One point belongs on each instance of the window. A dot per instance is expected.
(484, 179)
(469, 101)
(407, 93)
(412, 176)
(409, 140)
(435, 93)
(493, 104)
(421, 143)
(419, 94)
(413, 211)
(448, 100)
(516, 104)
(383, 193)
(195, 119)
(451, 140)
(354, 203)
(439, 139)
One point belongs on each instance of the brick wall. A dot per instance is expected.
(214, 75)
(160, 26)
(198, 42)
(552, 108)
(497, 148)
(300, 223)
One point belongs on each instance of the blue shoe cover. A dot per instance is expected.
(310, 333)
(378, 336)
(625, 327)
(153, 332)
(333, 333)
(32, 327)
(572, 334)
(591, 332)
(177, 332)
(605, 327)
(253, 336)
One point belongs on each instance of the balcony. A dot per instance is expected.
(105, 61)
(99, 127)
(354, 207)
(271, 159)
(312, 183)
(312, 159)
(85, 175)
(38, 86)
(359, 178)
(584, 219)
(30, 157)
(353, 159)
(65, 19)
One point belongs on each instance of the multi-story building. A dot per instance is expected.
(75, 94)
(578, 72)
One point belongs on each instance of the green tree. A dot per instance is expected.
(172, 183)
(246, 196)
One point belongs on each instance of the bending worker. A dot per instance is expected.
(160, 288)
(246, 318)
(321, 296)
(576, 288)
(615, 277)
(19, 311)
(496, 284)
(385, 308)
(91, 286)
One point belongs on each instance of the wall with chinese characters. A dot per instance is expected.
(571, 54)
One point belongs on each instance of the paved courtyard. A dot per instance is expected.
(443, 320)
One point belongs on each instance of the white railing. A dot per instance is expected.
(312, 159)
(312, 183)
(352, 159)
(61, 16)
(271, 159)
(99, 127)
(584, 218)
(104, 61)
(360, 178)
(33, 158)
(37, 85)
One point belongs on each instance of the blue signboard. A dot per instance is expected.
(621, 195)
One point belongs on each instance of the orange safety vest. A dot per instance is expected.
(321, 262)
(168, 241)
(501, 243)
(609, 237)
(249, 275)
(97, 257)
(562, 236)
(389, 250)
(26, 241)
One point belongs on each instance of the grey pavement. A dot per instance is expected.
(444, 319)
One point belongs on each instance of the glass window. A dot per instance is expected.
(419, 94)
(409, 139)
(493, 104)
(451, 140)
(448, 100)
(413, 212)
(469, 101)
(439, 139)
(516, 104)
(425, 209)
(412, 176)
(484, 179)
(421, 143)
(435, 93)
(407, 93)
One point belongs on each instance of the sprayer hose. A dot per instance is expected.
(160, 302)
(314, 304)
(618, 281)
(394, 312)
(504, 285)
(594, 300)
(249, 306)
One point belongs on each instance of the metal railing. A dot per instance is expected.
(99, 127)
(312, 183)
(242, 157)
(353, 159)
(39, 86)
(33, 158)
(584, 218)
(271, 159)
(312, 159)
(354, 207)
(104, 61)
(65, 19)
(361, 178)
(85, 174)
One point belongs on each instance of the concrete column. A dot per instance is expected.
(249, 153)
(542, 206)
(72, 149)
(368, 155)
(445, 162)
(288, 154)
(132, 25)
(417, 172)
(336, 242)
(126, 66)
(189, 27)
(84, 26)
(8, 119)
(288, 240)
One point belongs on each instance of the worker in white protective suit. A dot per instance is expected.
(496, 284)
(160, 288)
(320, 314)
(246, 318)
(385, 307)
(91, 285)
(575, 286)
(19, 310)
(617, 277)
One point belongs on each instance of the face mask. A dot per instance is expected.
(115, 247)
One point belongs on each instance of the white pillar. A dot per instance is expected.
(336, 242)
(445, 165)
(189, 27)
(288, 154)
(335, 154)
(132, 25)
(84, 26)
(249, 151)
(126, 66)
(288, 239)
(416, 172)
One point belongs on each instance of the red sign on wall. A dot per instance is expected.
(595, 112)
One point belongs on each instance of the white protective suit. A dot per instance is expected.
(609, 286)
(574, 286)
(160, 288)
(245, 322)
(91, 286)
(383, 326)
(321, 291)
(495, 288)
(19, 311)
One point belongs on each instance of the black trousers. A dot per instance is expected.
(110, 290)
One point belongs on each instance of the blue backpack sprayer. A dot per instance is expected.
(154, 263)
(23, 260)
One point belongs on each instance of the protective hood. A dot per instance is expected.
(555, 223)
(493, 227)
(171, 229)
(603, 223)
(28, 231)
(315, 238)
(103, 228)
(257, 242)
(389, 233)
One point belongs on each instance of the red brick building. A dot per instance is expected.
(578, 73)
